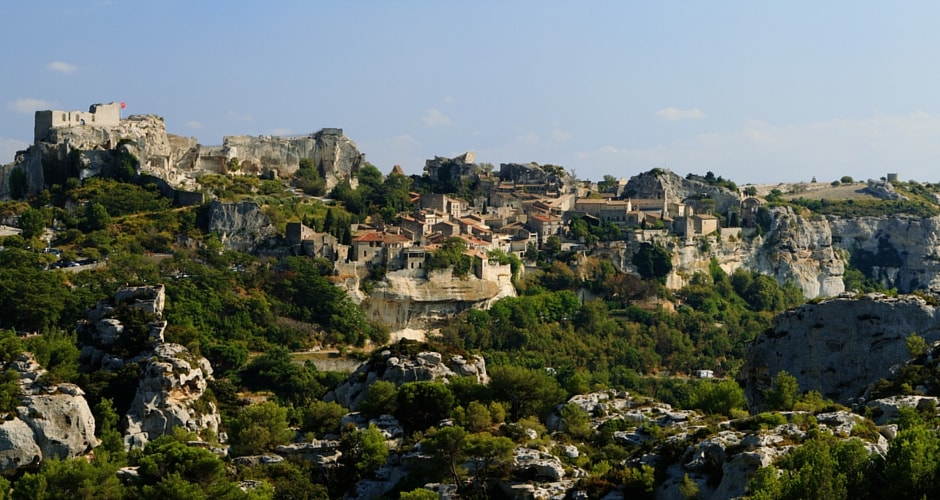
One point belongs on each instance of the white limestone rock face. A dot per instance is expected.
(838, 347)
(242, 226)
(52, 421)
(170, 386)
(403, 301)
(61, 421)
(899, 251)
(334, 155)
(18, 447)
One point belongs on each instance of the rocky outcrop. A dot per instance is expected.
(423, 366)
(172, 380)
(241, 226)
(335, 156)
(838, 347)
(663, 184)
(403, 301)
(52, 421)
(169, 395)
(900, 251)
(89, 149)
(883, 190)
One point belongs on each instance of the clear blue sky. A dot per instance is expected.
(753, 91)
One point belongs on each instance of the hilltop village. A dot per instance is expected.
(520, 207)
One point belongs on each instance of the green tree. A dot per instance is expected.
(322, 417)
(379, 399)
(652, 261)
(171, 469)
(33, 223)
(74, 478)
(490, 455)
(446, 445)
(259, 428)
(718, 398)
(688, 488)
(916, 345)
(423, 404)
(364, 451)
(106, 426)
(912, 464)
(784, 392)
(577, 422)
(528, 391)
(419, 494)
(96, 217)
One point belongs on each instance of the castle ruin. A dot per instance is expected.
(102, 115)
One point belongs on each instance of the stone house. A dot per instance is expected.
(704, 224)
(375, 248)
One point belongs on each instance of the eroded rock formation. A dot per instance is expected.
(172, 380)
(51, 421)
(402, 301)
(838, 347)
(241, 226)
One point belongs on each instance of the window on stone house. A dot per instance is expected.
(64, 118)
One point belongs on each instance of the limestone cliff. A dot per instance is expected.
(403, 301)
(840, 346)
(663, 184)
(241, 226)
(335, 156)
(813, 252)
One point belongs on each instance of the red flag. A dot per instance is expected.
(123, 104)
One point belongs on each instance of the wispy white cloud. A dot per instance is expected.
(8, 149)
(193, 124)
(675, 114)
(435, 118)
(449, 99)
(763, 152)
(28, 105)
(62, 67)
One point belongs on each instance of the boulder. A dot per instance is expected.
(537, 465)
(61, 421)
(52, 421)
(424, 366)
(18, 447)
